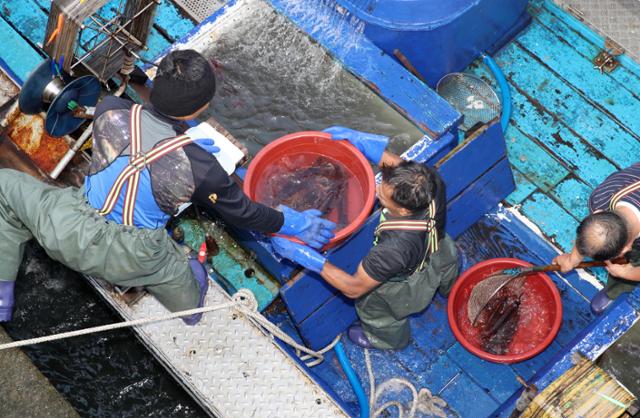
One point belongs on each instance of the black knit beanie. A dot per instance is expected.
(183, 84)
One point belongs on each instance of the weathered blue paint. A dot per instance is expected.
(172, 21)
(586, 32)
(541, 168)
(428, 150)
(560, 227)
(573, 195)
(9, 72)
(468, 398)
(479, 198)
(471, 159)
(396, 85)
(627, 74)
(456, 31)
(27, 18)
(498, 380)
(524, 187)
(571, 109)
(18, 55)
(527, 369)
(602, 89)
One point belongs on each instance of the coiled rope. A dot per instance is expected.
(422, 401)
(243, 301)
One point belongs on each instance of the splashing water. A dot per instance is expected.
(274, 80)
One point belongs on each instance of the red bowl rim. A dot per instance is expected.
(510, 358)
(347, 146)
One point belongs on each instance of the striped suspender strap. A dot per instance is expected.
(428, 225)
(622, 193)
(137, 162)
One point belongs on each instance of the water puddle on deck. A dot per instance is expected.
(272, 80)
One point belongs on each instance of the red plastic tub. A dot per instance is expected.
(540, 312)
(306, 147)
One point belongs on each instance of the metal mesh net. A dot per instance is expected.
(470, 96)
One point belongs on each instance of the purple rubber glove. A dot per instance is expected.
(298, 253)
(6, 300)
(371, 145)
(307, 226)
(207, 144)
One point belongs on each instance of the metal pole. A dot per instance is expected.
(72, 151)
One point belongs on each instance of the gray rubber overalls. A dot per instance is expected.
(384, 311)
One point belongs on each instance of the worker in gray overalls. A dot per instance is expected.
(143, 170)
(411, 258)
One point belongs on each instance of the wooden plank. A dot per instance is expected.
(573, 195)
(471, 159)
(524, 187)
(546, 130)
(526, 369)
(502, 383)
(17, 53)
(540, 167)
(172, 21)
(564, 103)
(468, 398)
(601, 89)
(578, 156)
(558, 24)
(479, 198)
(578, 26)
(557, 224)
(27, 18)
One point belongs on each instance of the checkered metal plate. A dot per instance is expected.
(228, 364)
(199, 10)
(618, 20)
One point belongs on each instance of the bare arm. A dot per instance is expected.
(352, 286)
(568, 261)
(624, 271)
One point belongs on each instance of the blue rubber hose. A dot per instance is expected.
(353, 380)
(504, 90)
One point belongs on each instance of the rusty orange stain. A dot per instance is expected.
(28, 133)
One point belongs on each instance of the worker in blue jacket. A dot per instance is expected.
(412, 257)
(143, 170)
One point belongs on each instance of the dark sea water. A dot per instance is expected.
(110, 374)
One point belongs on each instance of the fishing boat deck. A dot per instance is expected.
(571, 127)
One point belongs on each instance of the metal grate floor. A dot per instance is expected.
(618, 20)
(227, 363)
(199, 10)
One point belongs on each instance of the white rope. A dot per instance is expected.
(423, 401)
(117, 325)
(243, 301)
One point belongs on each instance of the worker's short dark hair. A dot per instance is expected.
(601, 235)
(414, 184)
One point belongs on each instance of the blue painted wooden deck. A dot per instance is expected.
(571, 127)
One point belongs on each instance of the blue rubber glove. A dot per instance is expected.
(207, 144)
(371, 145)
(298, 253)
(307, 226)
